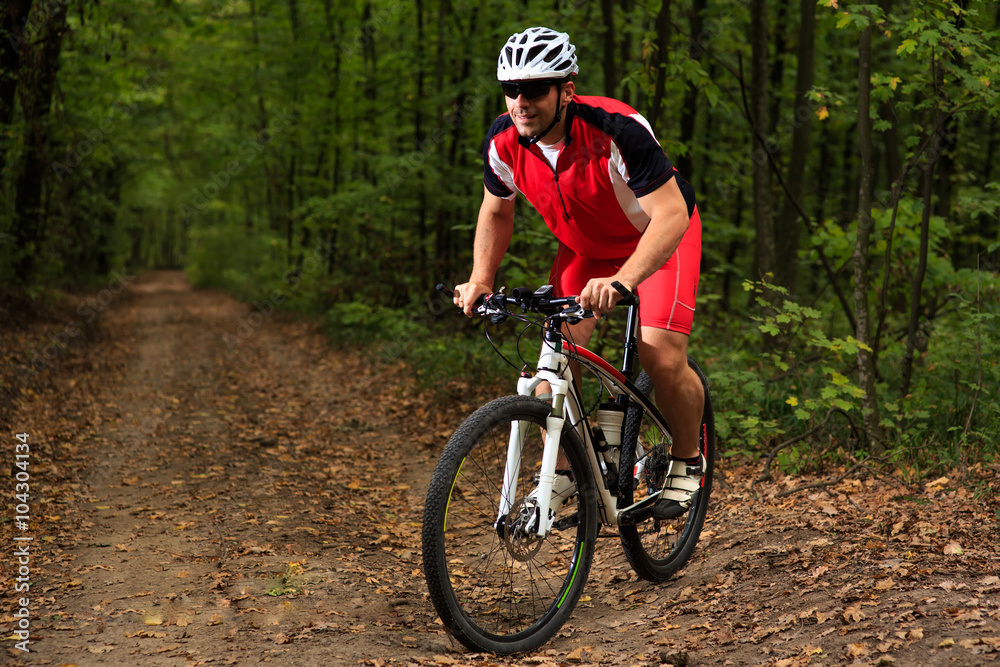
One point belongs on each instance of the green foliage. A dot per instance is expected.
(806, 372)
(792, 385)
(326, 158)
(954, 400)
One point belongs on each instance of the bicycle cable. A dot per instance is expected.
(486, 331)
(572, 352)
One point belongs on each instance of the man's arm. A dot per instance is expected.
(493, 232)
(668, 220)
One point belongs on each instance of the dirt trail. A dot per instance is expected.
(213, 485)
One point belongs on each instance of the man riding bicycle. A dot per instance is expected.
(621, 212)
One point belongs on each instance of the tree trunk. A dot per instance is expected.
(659, 63)
(787, 232)
(608, 15)
(823, 186)
(457, 120)
(732, 251)
(940, 142)
(262, 120)
(441, 221)
(893, 161)
(418, 143)
(291, 184)
(776, 72)
(37, 83)
(764, 256)
(689, 109)
(866, 364)
(12, 43)
(625, 52)
(916, 286)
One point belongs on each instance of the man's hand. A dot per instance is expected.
(467, 293)
(599, 296)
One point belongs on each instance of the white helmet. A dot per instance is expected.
(537, 53)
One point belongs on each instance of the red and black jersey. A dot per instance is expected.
(590, 199)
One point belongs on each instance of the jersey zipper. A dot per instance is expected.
(555, 177)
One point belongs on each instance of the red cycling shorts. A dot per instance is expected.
(666, 298)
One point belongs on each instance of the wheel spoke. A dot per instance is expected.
(497, 586)
(657, 548)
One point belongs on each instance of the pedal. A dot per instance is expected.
(638, 512)
(644, 509)
(571, 521)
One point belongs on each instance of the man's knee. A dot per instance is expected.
(667, 366)
(664, 353)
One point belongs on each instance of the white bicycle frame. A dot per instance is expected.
(554, 368)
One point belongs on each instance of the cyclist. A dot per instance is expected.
(620, 211)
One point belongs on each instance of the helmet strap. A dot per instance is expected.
(558, 117)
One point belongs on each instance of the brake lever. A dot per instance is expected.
(578, 314)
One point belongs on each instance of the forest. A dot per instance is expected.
(326, 158)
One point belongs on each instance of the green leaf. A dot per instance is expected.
(769, 328)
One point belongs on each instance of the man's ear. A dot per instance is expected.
(569, 89)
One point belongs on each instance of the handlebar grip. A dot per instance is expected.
(447, 291)
(629, 298)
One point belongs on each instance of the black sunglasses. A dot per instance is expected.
(530, 89)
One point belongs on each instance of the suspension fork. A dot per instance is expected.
(552, 363)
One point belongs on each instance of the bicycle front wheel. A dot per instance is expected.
(496, 586)
(657, 548)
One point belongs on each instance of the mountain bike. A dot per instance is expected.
(506, 561)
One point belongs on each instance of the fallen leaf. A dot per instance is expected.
(857, 650)
(853, 614)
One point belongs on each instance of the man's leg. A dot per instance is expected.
(679, 392)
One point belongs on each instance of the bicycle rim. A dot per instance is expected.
(657, 548)
(502, 589)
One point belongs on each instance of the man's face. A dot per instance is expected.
(534, 104)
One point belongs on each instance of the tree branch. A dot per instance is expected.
(766, 474)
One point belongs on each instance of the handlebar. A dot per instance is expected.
(537, 301)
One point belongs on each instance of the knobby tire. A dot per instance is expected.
(499, 589)
(656, 549)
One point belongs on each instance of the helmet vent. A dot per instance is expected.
(537, 53)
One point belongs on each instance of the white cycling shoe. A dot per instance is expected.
(679, 489)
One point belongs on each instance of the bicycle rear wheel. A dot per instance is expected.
(497, 587)
(657, 548)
